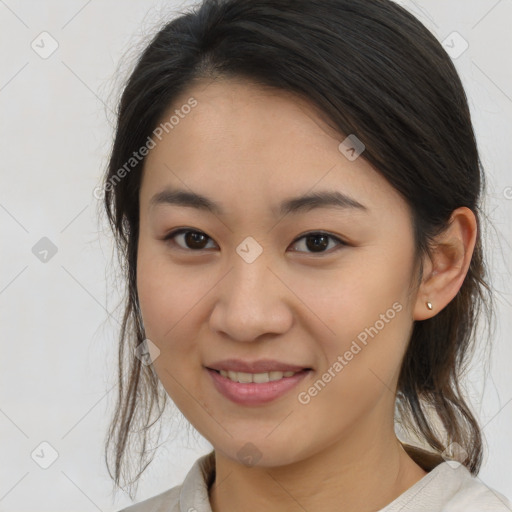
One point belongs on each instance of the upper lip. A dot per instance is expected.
(259, 366)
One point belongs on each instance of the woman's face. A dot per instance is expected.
(318, 285)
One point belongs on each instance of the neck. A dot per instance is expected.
(365, 473)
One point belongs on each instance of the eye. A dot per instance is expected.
(191, 239)
(318, 241)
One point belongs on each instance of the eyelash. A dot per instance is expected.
(173, 234)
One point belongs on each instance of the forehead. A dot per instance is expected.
(244, 144)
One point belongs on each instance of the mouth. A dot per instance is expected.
(257, 378)
(252, 389)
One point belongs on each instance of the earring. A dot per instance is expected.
(429, 305)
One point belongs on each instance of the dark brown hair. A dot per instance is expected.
(372, 69)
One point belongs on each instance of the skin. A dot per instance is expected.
(249, 148)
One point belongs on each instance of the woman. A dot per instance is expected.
(294, 187)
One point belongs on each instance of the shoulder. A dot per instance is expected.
(167, 501)
(450, 487)
(192, 494)
(474, 494)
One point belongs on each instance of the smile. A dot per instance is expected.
(255, 388)
(258, 378)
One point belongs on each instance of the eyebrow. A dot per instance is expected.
(294, 205)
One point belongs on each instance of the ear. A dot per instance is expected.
(445, 270)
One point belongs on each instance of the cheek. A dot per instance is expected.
(361, 356)
(173, 305)
(345, 301)
(160, 309)
(365, 321)
(376, 322)
(166, 303)
(165, 292)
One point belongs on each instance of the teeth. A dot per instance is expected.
(258, 378)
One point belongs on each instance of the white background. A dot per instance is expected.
(59, 319)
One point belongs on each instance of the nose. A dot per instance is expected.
(252, 301)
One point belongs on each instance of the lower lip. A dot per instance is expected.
(253, 393)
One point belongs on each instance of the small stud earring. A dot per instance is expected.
(429, 305)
